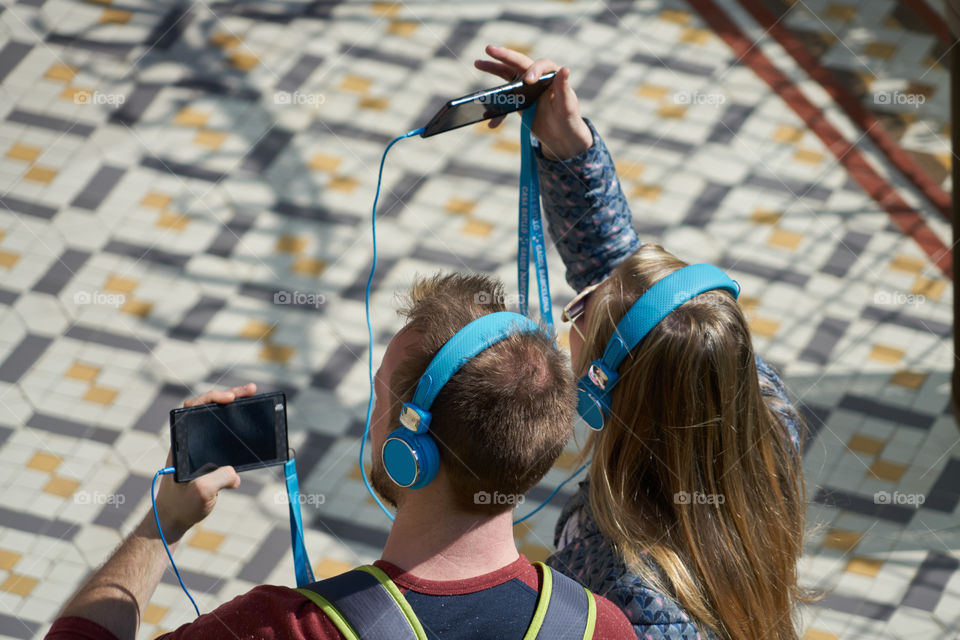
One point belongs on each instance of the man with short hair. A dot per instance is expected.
(499, 424)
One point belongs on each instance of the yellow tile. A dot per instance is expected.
(460, 206)
(652, 91)
(646, 191)
(521, 531)
(136, 307)
(535, 552)
(23, 152)
(355, 472)
(8, 258)
(629, 170)
(842, 540)
(277, 353)
(864, 566)
(20, 585)
(79, 95)
(880, 49)
(256, 330)
(884, 353)
(80, 371)
(817, 634)
(100, 395)
(889, 471)
(290, 243)
(156, 200)
(672, 110)
(808, 156)
(358, 84)
(63, 487)
(209, 139)
(787, 134)
(840, 11)
(866, 444)
(908, 379)
(945, 159)
(42, 461)
(342, 183)
(207, 540)
(403, 28)
(378, 104)
(785, 239)
(225, 40)
(115, 16)
(748, 303)
(695, 36)
(307, 266)
(172, 221)
(766, 216)
(153, 614)
(188, 117)
(477, 228)
(765, 327)
(8, 559)
(567, 460)
(244, 60)
(36, 173)
(120, 284)
(328, 567)
(672, 15)
(385, 9)
(929, 288)
(521, 47)
(60, 72)
(324, 162)
(507, 146)
(907, 264)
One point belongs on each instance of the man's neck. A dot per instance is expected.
(439, 544)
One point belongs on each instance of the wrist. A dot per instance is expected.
(172, 533)
(579, 140)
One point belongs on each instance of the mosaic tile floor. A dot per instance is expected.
(186, 192)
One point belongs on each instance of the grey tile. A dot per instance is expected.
(266, 150)
(299, 72)
(98, 188)
(170, 28)
(331, 375)
(17, 627)
(231, 233)
(440, 257)
(150, 254)
(347, 130)
(116, 49)
(182, 169)
(8, 297)
(110, 339)
(49, 122)
(732, 120)
(893, 316)
(644, 139)
(195, 580)
(828, 333)
(347, 530)
(36, 525)
(865, 506)
(356, 290)
(815, 417)
(379, 55)
(196, 319)
(4, 434)
(17, 205)
(315, 213)
(462, 34)
(846, 253)
(707, 203)
(884, 411)
(11, 55)
(460, 169)
(133, 489)
(944, 495)
(23, 357)
(394, 200)
(313, 449)
(857, 606)
(156, 417)
(673, 64)
(795, 188)
(136, 103)
(61, 272)
(931, 579)
(591, 83)
(226, 87)
(267, 556)
(548, 24)
(775, 274)
(65, 427)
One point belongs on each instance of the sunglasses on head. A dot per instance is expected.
(575, 308)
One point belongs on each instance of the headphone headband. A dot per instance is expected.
(664, 296)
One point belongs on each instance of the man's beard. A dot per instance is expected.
(386, 488)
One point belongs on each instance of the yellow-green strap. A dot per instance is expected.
(543, 602)
(591, 615)
(331, 613)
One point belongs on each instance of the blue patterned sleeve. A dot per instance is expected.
(775, 393)
(586, 212)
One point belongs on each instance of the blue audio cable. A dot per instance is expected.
(153, 498)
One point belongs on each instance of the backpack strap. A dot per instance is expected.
(365, 604)
(565, 609)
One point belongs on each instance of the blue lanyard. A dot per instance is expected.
(301, 564)
(531, 225)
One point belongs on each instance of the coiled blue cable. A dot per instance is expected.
(153, 498)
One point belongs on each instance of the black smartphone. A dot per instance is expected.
(487, 104)
(248, 433)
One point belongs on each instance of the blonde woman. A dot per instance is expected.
(692, 518)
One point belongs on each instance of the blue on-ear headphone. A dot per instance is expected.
(410, 455)
(668, 293)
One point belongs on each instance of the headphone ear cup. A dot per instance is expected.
(591, 408)
(411, 460)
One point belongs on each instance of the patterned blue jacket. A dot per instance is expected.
(590, 223)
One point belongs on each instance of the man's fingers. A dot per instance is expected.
(538, 68)
(248, 389)
(496, 68)
(222, 397)
(509, 56)
(218, 479)
(566, 90)
(495, 122)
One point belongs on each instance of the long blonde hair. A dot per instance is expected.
(693, 470)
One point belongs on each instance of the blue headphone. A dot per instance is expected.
(668, 293)
(410, 456)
